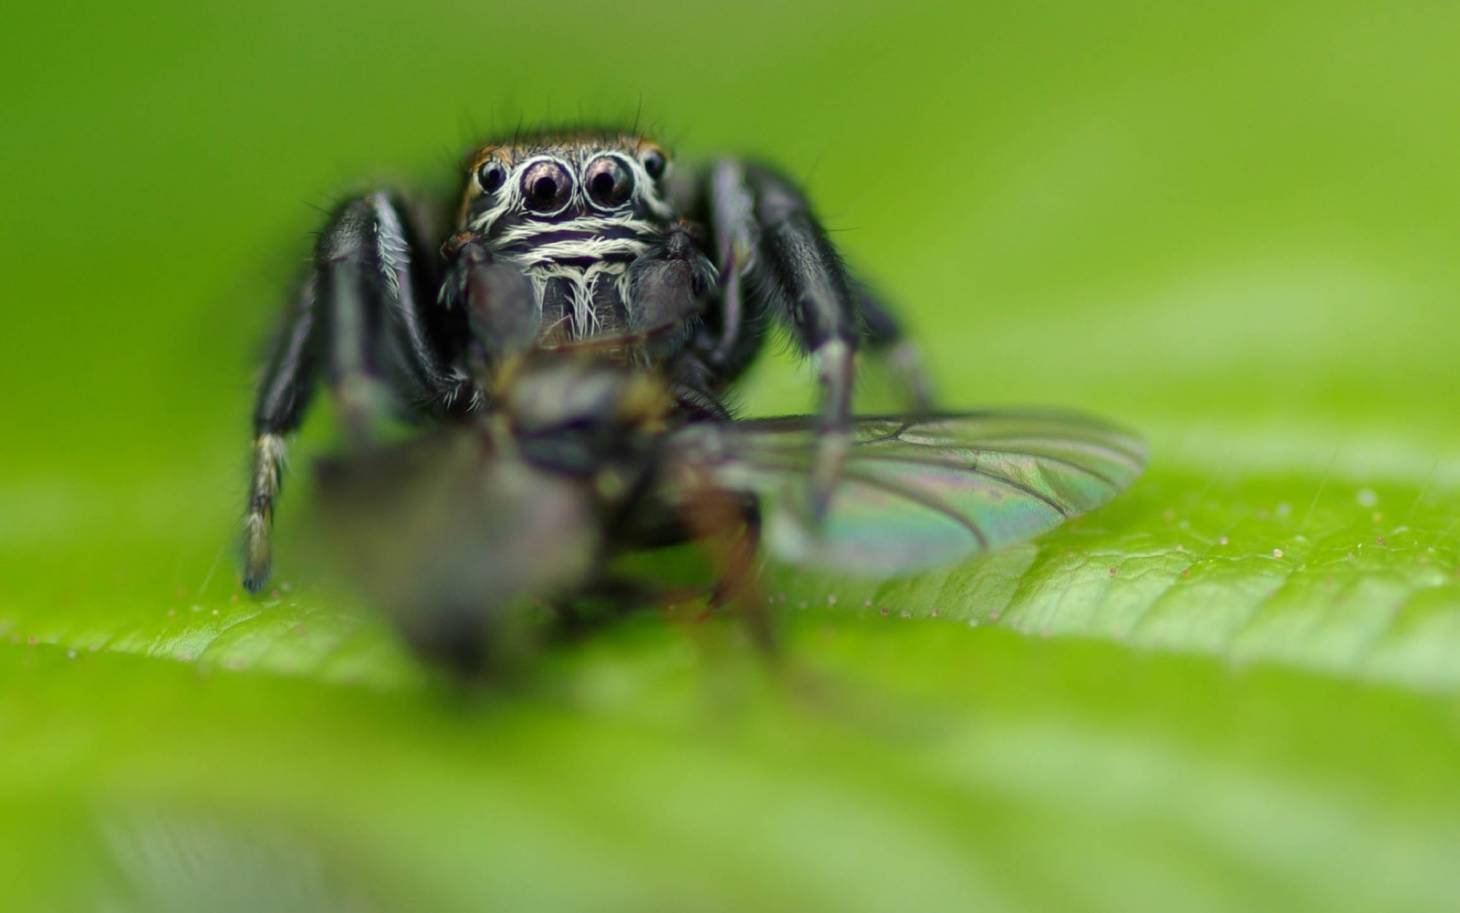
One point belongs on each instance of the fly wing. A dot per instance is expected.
(919, 491)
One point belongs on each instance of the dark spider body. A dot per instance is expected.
(584, 240)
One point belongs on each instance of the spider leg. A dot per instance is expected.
(885, 337)
(795, 269)
(775, 257)
(287, 386)
(729, 209)
(376, 344)
(358, 317)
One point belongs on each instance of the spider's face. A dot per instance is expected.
(594, 184)
(571, 212)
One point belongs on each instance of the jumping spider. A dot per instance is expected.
(568, 240)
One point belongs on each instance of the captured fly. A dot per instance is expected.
(484, 536)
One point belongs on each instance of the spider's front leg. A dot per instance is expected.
(729, 193)
(766, 232)
(357, 318)
(885, 337)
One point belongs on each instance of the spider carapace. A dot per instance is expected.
(584, 239)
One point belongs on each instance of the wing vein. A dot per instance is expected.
(764, 447)
(976, 470)
(926, 500)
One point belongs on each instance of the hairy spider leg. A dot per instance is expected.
(738, 333)
(776, 260)
(357, 316)
(886, 339)
(794, 273)
(726, 201)
(282, 396)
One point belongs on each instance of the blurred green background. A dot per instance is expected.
(1231, 226)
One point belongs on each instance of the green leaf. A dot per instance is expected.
(1235, 687)
(1312, 571)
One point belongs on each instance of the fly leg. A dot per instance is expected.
(729, 527)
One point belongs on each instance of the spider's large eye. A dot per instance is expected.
(547, 186)
(491, 176)
(609, 181)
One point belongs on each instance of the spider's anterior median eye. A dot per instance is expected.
(547, 187)
(491, 175)
(609, 181)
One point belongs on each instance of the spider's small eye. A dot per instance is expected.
(491, 175)
(654, 163)
(609, 181)
(547, 186)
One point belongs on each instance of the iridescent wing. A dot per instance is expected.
(920, 491)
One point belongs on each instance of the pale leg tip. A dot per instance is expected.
(255, 579)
